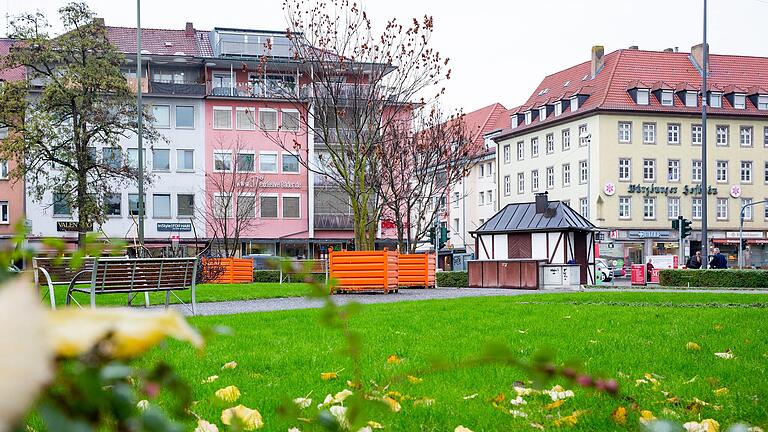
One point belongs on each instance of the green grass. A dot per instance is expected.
(203, 293)
(620, 335)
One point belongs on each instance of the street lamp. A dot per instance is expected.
(139, 121)
(704, 195)
(741, 228)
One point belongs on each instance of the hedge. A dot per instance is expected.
(266, 276)
(457, 279)
(714, 278)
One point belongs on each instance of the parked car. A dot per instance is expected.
(602, 268)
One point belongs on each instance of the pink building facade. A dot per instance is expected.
(11, 192)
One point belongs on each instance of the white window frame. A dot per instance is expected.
(673, 207)
(696, 170)
(558, 108)
(5, 213)
(244, 152)
(584, 135)
(282, 205)
(250, 124)
(550, 177)
(746, 136)
(175, 117)
(721, 135)
(746, 179)
(223, 152)
(696, 208)
(739, 101)
(652, 207)
(535, 180)
(170, 165)
(229, 210)
(625, 207)
(718, 215)
(673, 170)
(583, 171)
(625, 132)
(762, 102)
(542, 113)
(282, 165)
(649, 133)
(643, 96)
(550, 146)
(277, 161)
(721, 167)
(521, 150)
(574, 103)
(227, 109)
(4, 170)
(252, 213)
(696, 132)
(170, 120)
(298, 120)
(178, 165)
(691, 99)
(566, 170)
(507, 153)
(673, 133)
(716, 100)
(520, 183)
(261, 208)
(667, 98)
(748, 214)
(277, 121)
(507, 185)
(534, 147)
(584, 207)
(649, 164)
(565, 137)
(170, 205)
(625, 169)
(481, 198)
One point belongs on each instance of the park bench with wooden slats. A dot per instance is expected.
(59, 271)
(305, 267)
(139, 275)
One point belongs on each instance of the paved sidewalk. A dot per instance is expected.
(276, 304)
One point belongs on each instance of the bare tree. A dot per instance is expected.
(231, 201)
(360, 83)
(421, 162)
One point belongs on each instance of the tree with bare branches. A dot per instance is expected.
(420, 163)
(360, 83)
(231, 203)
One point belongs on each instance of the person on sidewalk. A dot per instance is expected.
(648, 270)
(694, 262)
(719, 261)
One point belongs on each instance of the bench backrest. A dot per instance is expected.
(143, 274)
(59, 268)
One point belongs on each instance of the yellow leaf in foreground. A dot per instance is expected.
(354, 384)
(393, 359)
(462, 429)
(229, 365)
(707, 425)
(393, 405)
(692, 346)
(619, 415)
(247, 418)
(721, 391)
(127, 332)
(570, 420)
(414, 380)
(727, 355)
(555, 404)
(228, 394)
(646, 417)
(204, 426)
(327, 376)
(374, 425)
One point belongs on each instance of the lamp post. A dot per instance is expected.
(741, 229)
(704, 195)
(139, 129)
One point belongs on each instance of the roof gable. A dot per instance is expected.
(523, 217)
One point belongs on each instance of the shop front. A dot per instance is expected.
(755, 252)
(622, 248)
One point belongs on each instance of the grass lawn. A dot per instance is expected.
(620, 335)
(203, 293)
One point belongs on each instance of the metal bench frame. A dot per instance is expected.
(317, 266)
(38, 268)
(100, 275)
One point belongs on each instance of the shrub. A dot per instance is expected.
(266, 276)
(715, 278)
(457, 279)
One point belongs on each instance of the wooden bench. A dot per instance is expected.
(138, 275)
(58, 271)
(305, 267)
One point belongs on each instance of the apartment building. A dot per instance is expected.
(11, 192)
(619, 139)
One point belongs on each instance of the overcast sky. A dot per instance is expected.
(499, 50)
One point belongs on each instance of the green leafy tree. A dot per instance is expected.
(73, 101)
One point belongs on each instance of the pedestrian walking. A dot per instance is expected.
(719, 261)
(694, 262)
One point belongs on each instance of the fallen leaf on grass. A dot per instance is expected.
(721, 391)
(472, 396)
(393, 359)
(619, 415)
(354, 385)
(204, 426)
(727, 355)
(692, 346)
(718, 326)
(413, 380)
(518, 413)
(558, 392)
(555, 404)
(302, 402)
(228, 394)
(423, 402)
(340, 414)
(690, 381)
(499, 398)
(327, 376)
(229, 365)
(248, 419)
(375, 425)
(570, 420)
(706, 425)
(697, 404)
(518, 401)
(522, 331)
(537, 426)
(210, 379)
(462, 429)
(393, 405)
(646, 417)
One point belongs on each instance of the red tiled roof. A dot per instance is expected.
(14, 74)
(161, 41)
(625, 69)
(482, 121)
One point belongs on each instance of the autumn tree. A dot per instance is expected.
(359, 84)
(231, 202)
(66, 119)
(421, 162)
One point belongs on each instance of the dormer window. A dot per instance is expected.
(528, 117)
(739, 100)
(558, 108)
(513, 121)
(574, 103)
(642, 96)
(716, 100)
(666, 98)
(542, 113)
(762, 102)
(691, 99)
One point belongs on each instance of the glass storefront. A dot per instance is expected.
(622, 254)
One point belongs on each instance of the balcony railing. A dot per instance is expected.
(177, 88)
(277, 48)
(333, 135)
(256, 89)
(334, 221)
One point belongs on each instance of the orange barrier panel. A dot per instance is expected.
(416, 270)
(363, 270)
(233, 270)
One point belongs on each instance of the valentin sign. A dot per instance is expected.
(70, 226)
(653, 189)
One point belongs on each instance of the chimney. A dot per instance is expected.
(634, 47)
(597, 59)
(697, 56)
(669, 50)
(542, 202)
(189, 30)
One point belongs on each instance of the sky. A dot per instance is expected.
(499, 50)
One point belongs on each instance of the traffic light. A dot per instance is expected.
(685, 228)
(443, 236)
(432, 235)
(743, 244)
(676, 224)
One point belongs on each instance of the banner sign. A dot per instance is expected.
(174, 226)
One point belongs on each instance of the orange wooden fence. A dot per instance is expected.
(233, 270)
(363, 270)
(416, 270)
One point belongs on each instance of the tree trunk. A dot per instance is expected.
(82, 214)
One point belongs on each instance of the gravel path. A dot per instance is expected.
(276, 304)
(291, 303)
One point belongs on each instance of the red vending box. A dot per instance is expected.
(654, 275)
(637, 274)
